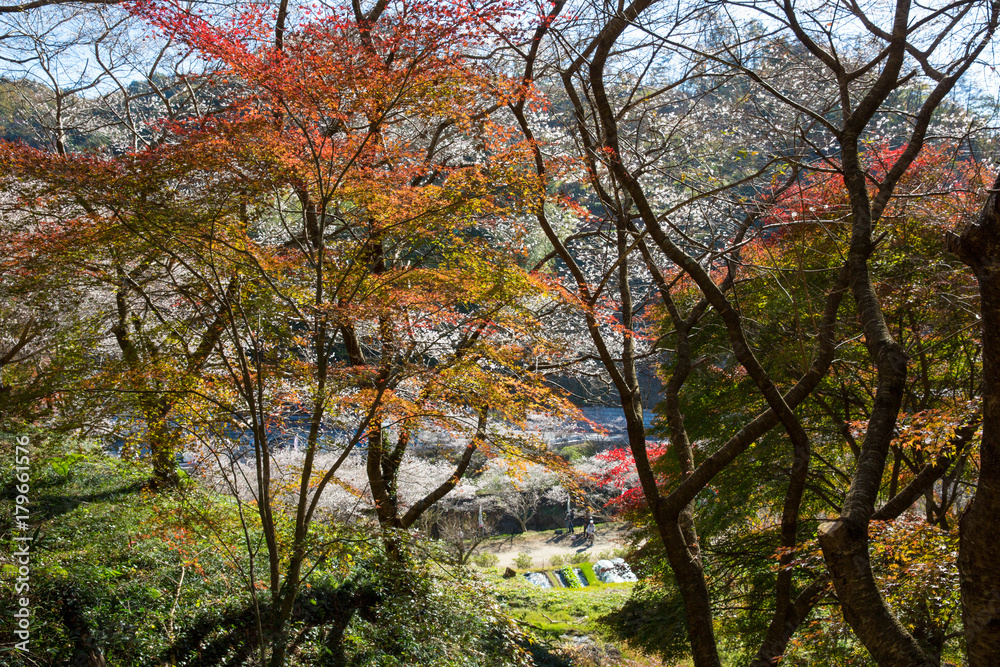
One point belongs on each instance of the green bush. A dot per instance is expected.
(556, 561)
(486, 559)
(610, 554)
(115, 557)
(523, 561)
(579, 451)
(569, 576)
(423, 620)
(577, 558)
(62, 465)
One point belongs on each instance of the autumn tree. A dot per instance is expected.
(46, 342)
(930, 306)
(82, 78)
(817, 99)
(862, 93)
(636, 272)
(344, 223)
(975, 244)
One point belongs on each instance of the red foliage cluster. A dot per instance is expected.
(622, 475)
(940, 174)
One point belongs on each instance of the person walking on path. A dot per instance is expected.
(591, 532)
(569, 521)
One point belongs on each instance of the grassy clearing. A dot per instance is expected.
(568, 622)
(552, 613)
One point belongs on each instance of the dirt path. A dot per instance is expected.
(541, 546)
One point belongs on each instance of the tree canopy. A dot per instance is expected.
(409, 231)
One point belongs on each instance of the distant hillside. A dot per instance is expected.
(28, 115)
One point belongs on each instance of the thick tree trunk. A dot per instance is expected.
(979, 550)
(684, 559)
(845, 542)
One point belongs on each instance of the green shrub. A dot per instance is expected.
(556, 561)
(523, 561)
(610, 554)
(486, 559)
(422, 620)
(132, 564)
(63, 464)
(569, 576)
(579, 451)
(577, 558)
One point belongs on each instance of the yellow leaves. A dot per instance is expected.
(915, 566)
(930, 431)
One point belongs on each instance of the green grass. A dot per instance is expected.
(551, 613)
(588, 572)
(117, 553)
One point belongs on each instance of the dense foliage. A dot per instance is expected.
(299, 304)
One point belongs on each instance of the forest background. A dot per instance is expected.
(297, 299)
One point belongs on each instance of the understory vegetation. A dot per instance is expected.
(158, 579)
